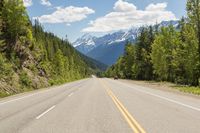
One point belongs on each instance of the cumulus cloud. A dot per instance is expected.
(27, 3)
(126, 15)
(123, 6)
(66, 15)
(156, 7)
(46, 2)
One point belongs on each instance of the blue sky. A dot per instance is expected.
(98, 17)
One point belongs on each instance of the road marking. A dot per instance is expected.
(17, 99)
(135, 126)
(38, 117)
(162, 97)
(70, 94)
(36, 93)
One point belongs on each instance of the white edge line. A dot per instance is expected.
(38, 117)
(161, 97)
(49, 89)
(17, 99)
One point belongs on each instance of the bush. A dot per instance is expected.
(25, 81)
(6, 70)
(3, 94)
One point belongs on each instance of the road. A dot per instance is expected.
(100, 106)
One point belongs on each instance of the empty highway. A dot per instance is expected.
(96, 105)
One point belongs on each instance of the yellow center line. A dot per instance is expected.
(135, 126)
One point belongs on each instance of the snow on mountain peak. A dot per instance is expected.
(86, 39)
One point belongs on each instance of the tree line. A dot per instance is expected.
(164, 53)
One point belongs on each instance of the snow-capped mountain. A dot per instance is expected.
(86, 39)
(109, 47)
(167, 23)
(85, 43)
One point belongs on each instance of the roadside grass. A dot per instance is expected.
(3, 94)
(185, 89)
(182, 88)
(189, 89)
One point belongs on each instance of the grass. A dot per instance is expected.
(3, 94)
(185, 89)
(189, 89)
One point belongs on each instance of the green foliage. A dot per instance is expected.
(16, 20)
(1, 26)
(136, 62)
(142, 68)
(29, 54)
(193, 11)
(25, 80)
(162, 49)
(188, 89)
(58, 59)
(6, 71)
(166, 54)
(3, 94)
(185, 56)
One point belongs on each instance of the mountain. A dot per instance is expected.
(109, 47)
(175, 23)
(85, 44)
(108, 54)
(112, 46)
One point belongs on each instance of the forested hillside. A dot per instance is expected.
(166, 53)
(31, 58)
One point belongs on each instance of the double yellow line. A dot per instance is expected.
(135, 126)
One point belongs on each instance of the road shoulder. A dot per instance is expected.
(164, 86)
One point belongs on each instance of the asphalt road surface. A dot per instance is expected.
(100, 106)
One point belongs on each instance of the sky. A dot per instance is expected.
(98, 17)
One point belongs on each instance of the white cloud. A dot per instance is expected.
(66, 15)
(156, 7)
(46, 2)
(27, 3)
(126, 15)
(123, 6)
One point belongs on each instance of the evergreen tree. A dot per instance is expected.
(162, 50)
(193, 11)
(128, 60)
(142, 68)
(1, 26)
(186, 56)
(16, 20)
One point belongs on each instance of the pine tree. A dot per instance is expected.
(162, 50)
(1, 27)
(186, 56)
(193, 11)
(16, 20)
(143, 66)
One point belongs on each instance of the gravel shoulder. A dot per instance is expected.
(164, 86)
